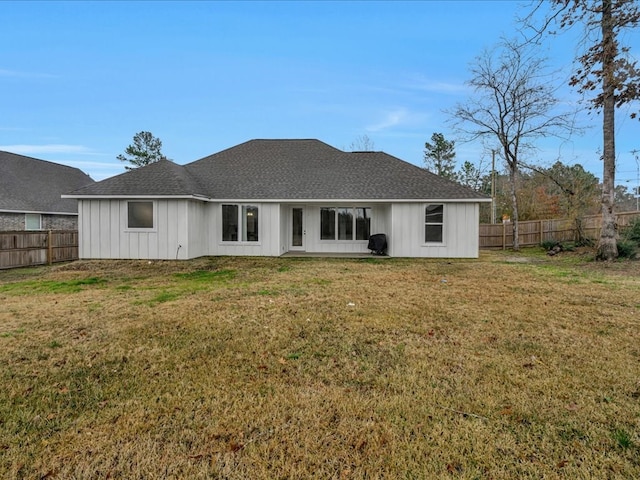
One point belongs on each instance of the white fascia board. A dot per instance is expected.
(350, 200)
(282, 200)
(137, 197)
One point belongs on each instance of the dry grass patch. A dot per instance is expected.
(321, 368)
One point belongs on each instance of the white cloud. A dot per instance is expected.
(46, 149)
(391, 119)
(442, 87)
(18, 74)
(422, 84)
(395, 118)
(9, 73)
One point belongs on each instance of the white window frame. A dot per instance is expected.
(32, 216)
(153, 228)
(441, 224)
(354, 224)
(241, 234)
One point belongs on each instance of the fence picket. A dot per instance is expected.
(27, 248)
(534, 232)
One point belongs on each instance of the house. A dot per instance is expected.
(270, 197)
(30, 194)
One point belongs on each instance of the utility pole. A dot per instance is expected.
(493, 186)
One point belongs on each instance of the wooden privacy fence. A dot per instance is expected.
(534, 232)
(26, 248)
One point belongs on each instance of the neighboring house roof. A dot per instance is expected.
(285, 170)
(31, 185)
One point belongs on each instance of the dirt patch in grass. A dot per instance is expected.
(321, 368)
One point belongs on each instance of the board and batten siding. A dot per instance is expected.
(460, 231)
(268, 243)
(380, 222)
(103, 231)
(187, 229)
(198, 244)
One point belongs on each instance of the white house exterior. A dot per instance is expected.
(270, 197)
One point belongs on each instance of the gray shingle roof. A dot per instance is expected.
(287, 170)
(158, 178)
(31, 185)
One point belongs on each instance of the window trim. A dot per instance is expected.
(27, 215)
(154, 206)
(241, 234)
(354, 223)
(441, 224)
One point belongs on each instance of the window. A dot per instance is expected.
(433, 223)
(250, 223)
(240, 222)
(140, 215)
(32, 221)
(345, 224)
(229, 223)
(363, 223)
(327, 224)
(340, 223)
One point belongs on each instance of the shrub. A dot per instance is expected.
(549, 244)
(627, 249)
(632, 232)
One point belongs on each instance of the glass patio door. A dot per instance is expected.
(297, 228)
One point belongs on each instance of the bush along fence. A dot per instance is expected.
(536, 232)
(26, 248)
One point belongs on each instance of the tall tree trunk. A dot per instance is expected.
(607, 247)
(513, 175)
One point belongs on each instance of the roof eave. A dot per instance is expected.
(137, 197)
(350, 200)
(279, 200)
(41, 212)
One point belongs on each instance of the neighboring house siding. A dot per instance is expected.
(460, 231)
(59, 222)
(103, 231)
(10, 221)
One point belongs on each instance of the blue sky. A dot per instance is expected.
(79, 79)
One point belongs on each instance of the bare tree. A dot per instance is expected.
(605, 74)
(513, 104)
(362, 144)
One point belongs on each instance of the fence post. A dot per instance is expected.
(504, 235)
(50, 249)
(541, 232)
